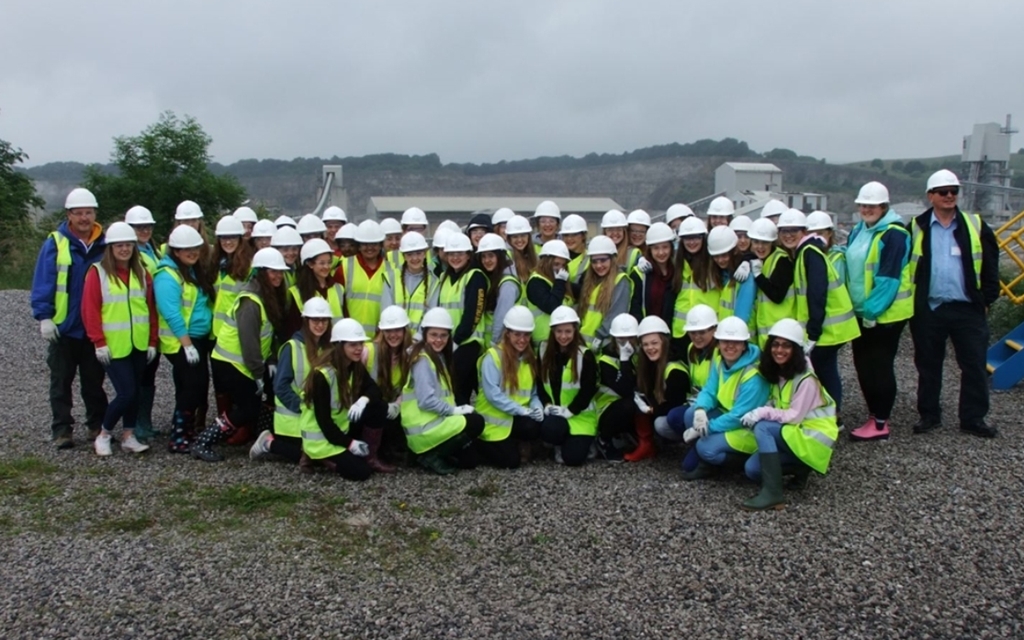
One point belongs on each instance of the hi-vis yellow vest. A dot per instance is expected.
(840, 324)
(227, 289)
(592, 318)
(229, 345)
(414, 302)
(729, 384)
(488, 319)
(700, 370)
(585, 422)
(286, 421)
(917, 251)
(314, 443)
(424, 430)
(689, 296)
(60, 298)
(541, 320)
(363, 294)
(395, 373)
(124, 312)
(335, 299)
(169, 343)
(451, 296)
(766, 312)
(605, 395)
(497, 423)
(902, 307)
(811, 440)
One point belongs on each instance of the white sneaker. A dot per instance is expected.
(558, 456)
(132, 445)
(261, 447)
(102, 444)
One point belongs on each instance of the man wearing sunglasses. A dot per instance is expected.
(955, 271)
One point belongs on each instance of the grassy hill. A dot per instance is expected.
(920, 168)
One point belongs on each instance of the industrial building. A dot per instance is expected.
(751, 184)
(460, 208)
(985, 174)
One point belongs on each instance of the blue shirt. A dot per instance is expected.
(947, 270)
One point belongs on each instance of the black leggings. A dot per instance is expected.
(575, 449)
(874, 353)
(287, 447)
(149, 374)
(616, 419)
(350, 467)
(245, 404)
(465, 379)
(504, 454)
(191, 383)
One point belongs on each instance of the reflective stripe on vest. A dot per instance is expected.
(451, 296)
(766, 312)
(314, 443)
(902, 306)
(424, 430)
(60, 298)
(973, 233)
(229, 345)
(729, 384)
(585, 422)
(286, 421)
(592, 318)
(169, 343)
(840, 323)
(488, 318)
(227, 289)
(415, 302)
(689, 296)
(124, 312)
(541, 320)
(363, 294)
(813, 439)
(497, 423)
(335, 299)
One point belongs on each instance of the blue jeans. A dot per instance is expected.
(125, 374)
(769, 440)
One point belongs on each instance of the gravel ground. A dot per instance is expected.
(914, 538)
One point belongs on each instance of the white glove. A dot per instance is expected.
(271, 370)
(536, 414)
(561, 412)
(259, 387)
(690, 435)
(356, 410)
(755, 267)
(810, 347)
(644, 265)
(751, 418)
(700, 422)
(562, 275)
(393, 410)
(742, 272)
(595, 345)
(463, 410)
(641, 403)
(48, 330)
(869, 324)
(626, 351)
(192, 355)
(359, 448)
(150, 355)
(103, 355)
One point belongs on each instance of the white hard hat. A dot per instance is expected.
(740, 223)
(264, 229)
(229, 226)
(390, 226)
(347, 232)
(501, 216)
(80, 198)
(659, 232)
(393, 317)
(721, 206)
(792, 218)
(516, 225)
(184, 237)
(490, 242)
(309, 223)
(763, 229)
(245, 214)
(440, 237)
(872, 193)
(613, 219)
(721, 240)
(574, 224)
(437, 318)
(789, 329)
(269, 258)
(369, 232)
(139, 215)
(284, 221)
(692, 226)
(449, 225)
(639, 216)
(316, 307)
(120, 232)
(732, 328)
(188, 210)
(819, 220)
(943, 178)
(457, 242)
(700, 317)
(519, 318)
(555, 248)
(547, 209)
(348, 330)
(286, 237)
(773, 208)
(601, 246)
(624, 326)
(414, 216)
(563, 315)
(314, 247)
(335, 214)
(677, 211)
(412, 241)
(652, 324)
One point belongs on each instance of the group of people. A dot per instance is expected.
(365, 345)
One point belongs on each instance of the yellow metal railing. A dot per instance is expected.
(1009, 237)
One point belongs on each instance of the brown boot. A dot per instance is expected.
(305, 463)
(373, 438)
(645, 435)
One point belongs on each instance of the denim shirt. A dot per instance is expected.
(947, 272)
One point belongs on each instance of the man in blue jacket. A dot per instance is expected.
(57, 284)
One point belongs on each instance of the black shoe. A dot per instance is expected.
(202, 452)
(979, 429)
(609, 451)
(64, 441)
(925, 425)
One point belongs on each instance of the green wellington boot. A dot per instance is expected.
(771, 485)
(144, 431)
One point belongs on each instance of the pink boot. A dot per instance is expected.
(870, 431)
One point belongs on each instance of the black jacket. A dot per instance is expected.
(989, 291)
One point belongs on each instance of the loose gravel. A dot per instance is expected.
(918, 537)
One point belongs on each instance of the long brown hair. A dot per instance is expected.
(314, 346)
(238, 264)
(549, 365)
(494, 278)
(650, 376)
(109, 264)
(592, 281)
(525, 260)
(734, 262)
(344, 369)
(306, 282)
(700, 266)
(274, 299)
(195, 275)
(509, 361)
(385, 357)
(545, 267)
(442, 363)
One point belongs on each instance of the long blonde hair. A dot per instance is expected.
(592, 281)
(650, 376)
(525, 260)
(109, 264)
(510, 362)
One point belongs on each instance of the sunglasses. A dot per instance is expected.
(952, 191)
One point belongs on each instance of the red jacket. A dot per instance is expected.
(92, 303)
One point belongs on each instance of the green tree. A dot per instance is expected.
(877, 163)
(165, 164)
(781, 154)
(915, 167)
(19, 238)
(897, 166)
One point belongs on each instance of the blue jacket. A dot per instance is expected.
(168, 302)
(752, 393)
(44, 280)
(893, 254)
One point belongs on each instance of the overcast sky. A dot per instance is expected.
(485, 81)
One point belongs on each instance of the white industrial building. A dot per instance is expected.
(751, 184)
(461, 208)
(986, 172)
